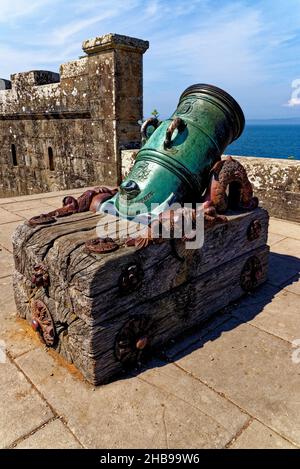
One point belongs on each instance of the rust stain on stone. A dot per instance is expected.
(24, 332)
(66, 365)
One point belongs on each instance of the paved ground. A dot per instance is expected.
(235, 384)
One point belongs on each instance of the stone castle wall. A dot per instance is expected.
(60, 131)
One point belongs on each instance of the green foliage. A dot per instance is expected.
(155, 113)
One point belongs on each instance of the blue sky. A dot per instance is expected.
(251, 48)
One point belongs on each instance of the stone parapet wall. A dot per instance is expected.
(276, 182)
(61, 131)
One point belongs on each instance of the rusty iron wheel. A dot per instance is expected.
(251, 274)
(101, 245)
(133, 341)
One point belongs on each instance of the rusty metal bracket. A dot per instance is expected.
(230, 175)
(101, 246)
(151, 122)
(42, 219)
(40, 276)
(42, 322)
(176, 123)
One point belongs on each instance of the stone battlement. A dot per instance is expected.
(59, 131)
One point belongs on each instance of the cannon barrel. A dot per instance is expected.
(175, 162)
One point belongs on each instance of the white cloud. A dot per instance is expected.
(122, 6)
(249, 48)
(14, 9)
(91, 14)
(223, 50)
(295, 97)
(62, 34)
(294, 102)
(152, 8)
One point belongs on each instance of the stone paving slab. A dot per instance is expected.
(288, 247)
(54, 435)
(233, 384)
(32, 212)
(257, 436)
(6, 232)
(273, 238)
(29, 206)
(282, 268)
(56, 202)
(294, 285)
(18, 337)
(6, 262)
(22, 410)
(128, 413)
(173, 380)
(176, 347)
(273, 311)
(7, 200)
(252, 369)
(21, 205)
(6, 217)
(7, 303)
(43, 195)
(284, 228)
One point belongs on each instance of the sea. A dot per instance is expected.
(268, 141)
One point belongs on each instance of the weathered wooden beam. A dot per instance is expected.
(108, 308)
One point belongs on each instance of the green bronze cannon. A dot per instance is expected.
(174, 164)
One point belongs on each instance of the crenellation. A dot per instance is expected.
(67, 129)
(74, 68)
(34, 77)
(5, 84)
(8, 101)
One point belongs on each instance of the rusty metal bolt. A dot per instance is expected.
(35, 324)
(101, 245)
(141, 343)
(254, 230)
(131, 278)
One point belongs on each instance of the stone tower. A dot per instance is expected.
(60, 131)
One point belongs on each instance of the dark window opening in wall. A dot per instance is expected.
(14, 154)
(51, 159)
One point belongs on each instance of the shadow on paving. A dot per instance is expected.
(235, 314)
